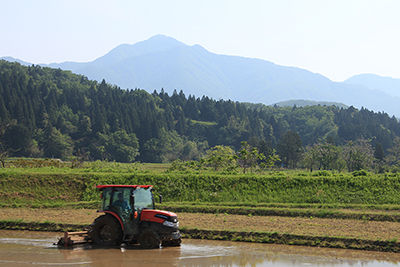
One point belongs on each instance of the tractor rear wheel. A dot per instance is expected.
(106, 231)
(149, 239)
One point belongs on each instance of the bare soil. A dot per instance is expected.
(358, 229)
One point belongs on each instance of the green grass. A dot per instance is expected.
(54, 166)
(280, 189)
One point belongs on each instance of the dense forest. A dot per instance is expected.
(53, 113)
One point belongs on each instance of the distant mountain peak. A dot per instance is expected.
(154, 44)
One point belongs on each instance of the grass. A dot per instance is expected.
(292, 193)
(298, 204)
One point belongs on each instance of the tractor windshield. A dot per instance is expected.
(143, 198)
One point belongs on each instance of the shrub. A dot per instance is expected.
(360, 173)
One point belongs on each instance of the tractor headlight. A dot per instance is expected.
(170, 224)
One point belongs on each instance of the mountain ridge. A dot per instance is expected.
(164, 62)
(387, 84)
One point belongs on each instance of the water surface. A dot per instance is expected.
(26, 248)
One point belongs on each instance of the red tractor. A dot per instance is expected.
(130, 217)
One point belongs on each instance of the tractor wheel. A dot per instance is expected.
(167, 243)
(172, 243)
(177, 242)
(149, 239)
(106, 231)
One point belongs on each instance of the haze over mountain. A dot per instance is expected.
(163, 62)
(388, 85)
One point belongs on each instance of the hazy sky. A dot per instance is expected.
(337, 39)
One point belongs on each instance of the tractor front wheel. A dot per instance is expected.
(149, 239)
(177, 242)
(106, 231)
(172, 243)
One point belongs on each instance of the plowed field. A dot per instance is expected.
(358, 229)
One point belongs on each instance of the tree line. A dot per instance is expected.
(52, 113)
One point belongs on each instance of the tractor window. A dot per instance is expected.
(106, 198)
(121, 199)
(143, 198)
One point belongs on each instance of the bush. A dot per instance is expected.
(360, 173)
(322, 173)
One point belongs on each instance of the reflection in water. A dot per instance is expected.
(251, 254)
(123, 256)
(23, 248)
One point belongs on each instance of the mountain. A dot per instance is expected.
(11, 59)
(388, 85)
(164, 62)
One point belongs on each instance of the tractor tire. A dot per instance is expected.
(106, 231)
(177, 242)
(172, 243)
(149, 239)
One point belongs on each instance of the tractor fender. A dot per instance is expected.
(115, 215)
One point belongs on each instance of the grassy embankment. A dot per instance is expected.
(349, 210)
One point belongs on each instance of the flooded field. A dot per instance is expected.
(23, 248)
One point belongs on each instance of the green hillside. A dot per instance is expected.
(53, 113)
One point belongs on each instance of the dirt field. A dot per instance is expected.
(359, 229)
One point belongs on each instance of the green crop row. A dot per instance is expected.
(208, 187)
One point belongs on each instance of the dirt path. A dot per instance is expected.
(359, 229)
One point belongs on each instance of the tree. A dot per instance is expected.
(358, 154)
(321, 155)
(265, 148)
(166, 148)
(84, 126)
(311, 157)
(4, 151)
(247, 156)
(19, 139)
(393, 156)
(220, 157)
(120, 146)
(328, 154)
(57, 145)
(379, 154)
(290, 149)
(193, 150)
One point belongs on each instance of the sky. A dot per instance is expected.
(337, 39)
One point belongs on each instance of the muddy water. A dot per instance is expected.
(20, 248)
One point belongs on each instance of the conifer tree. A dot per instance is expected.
(379, 154)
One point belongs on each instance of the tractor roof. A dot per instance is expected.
(103, 186)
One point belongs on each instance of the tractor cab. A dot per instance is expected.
(126, 204)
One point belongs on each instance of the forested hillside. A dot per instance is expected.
(53, 113)
(164, 62)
